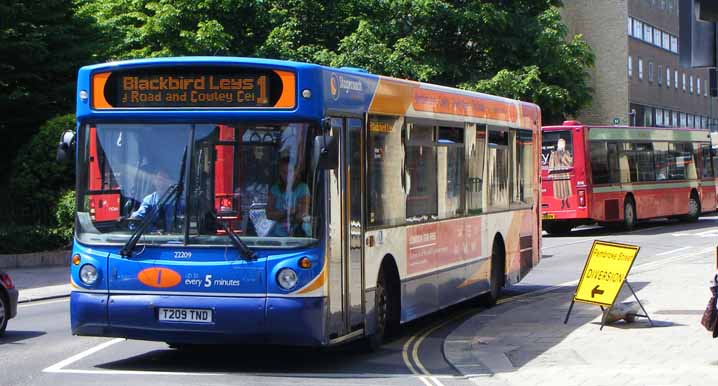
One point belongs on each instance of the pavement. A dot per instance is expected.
(524, 341)
(41, 283)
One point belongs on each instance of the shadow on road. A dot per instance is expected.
(17, 336)
(650, 227)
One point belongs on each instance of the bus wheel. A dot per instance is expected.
(629, 214)
(694, 209)
(384, 310)
(497, 276)
(558, 228)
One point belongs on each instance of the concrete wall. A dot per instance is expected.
(36, 259)
(603, 26)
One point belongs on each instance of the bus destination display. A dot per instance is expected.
(198, 90)
(217, 88)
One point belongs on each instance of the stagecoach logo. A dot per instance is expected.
(339, 84)
(159, 277)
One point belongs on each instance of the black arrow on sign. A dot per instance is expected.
(595, 291)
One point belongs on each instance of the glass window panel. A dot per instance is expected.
(666, 41)
(498, 169)
(707, 164)
(384, 172)
(476, 149)
(522, 167)
(421, 198)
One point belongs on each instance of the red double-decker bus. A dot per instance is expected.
(617, 175)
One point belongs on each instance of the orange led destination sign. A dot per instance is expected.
(189, 87)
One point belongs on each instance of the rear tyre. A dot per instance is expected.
(4, 313)
(497, 276)
(694, 209)
(629, 215)
(558, 228)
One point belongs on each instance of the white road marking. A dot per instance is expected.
(59, 365)
(672, 251)
(42, 302)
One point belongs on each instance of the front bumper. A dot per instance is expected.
(236, 320)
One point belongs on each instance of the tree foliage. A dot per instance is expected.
(513, 48)
(42, 45)
(37, 178)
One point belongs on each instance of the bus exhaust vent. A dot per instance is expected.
(611, 208)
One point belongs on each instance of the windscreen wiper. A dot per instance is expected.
(172, 190)
(241, 246)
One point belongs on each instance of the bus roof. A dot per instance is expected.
(331, 90)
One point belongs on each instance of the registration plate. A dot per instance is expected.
(185, 315)
(548, 216)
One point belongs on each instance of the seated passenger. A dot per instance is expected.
(288, 205)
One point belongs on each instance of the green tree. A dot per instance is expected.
(514, 48)
(42, 44)
(37, 178)
(140, 28)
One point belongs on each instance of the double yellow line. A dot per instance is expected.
(412, 361)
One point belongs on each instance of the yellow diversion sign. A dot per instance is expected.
(605, 272)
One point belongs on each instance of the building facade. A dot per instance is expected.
(637, 78)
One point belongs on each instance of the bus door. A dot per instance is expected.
(346, 272)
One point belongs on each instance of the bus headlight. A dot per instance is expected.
(287, 278)
(88, 274)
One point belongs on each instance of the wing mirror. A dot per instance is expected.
(66, 147)
(326, 152)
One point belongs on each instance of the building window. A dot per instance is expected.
(683, 119)
(648, 33)
(637, 29)
(666, 43)
(660, 75)
(675, 79)
(668, 77)
(690, 84)
(674, 44)
(705, 89)
(640, 69)
(630, 67)
(698, 86)
(657, 37)
(650, 71)
(659, 117)
(683, 83)
(630, 26)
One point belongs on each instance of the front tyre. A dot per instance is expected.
(384, 311)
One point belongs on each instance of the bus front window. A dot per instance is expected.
(122, 178)
(252, 180)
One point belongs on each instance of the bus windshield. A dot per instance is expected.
(252, 180)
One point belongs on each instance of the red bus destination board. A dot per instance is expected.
(194, 87)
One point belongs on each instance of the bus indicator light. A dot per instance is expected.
(305, 263)
(581, 198)
(76, 260)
